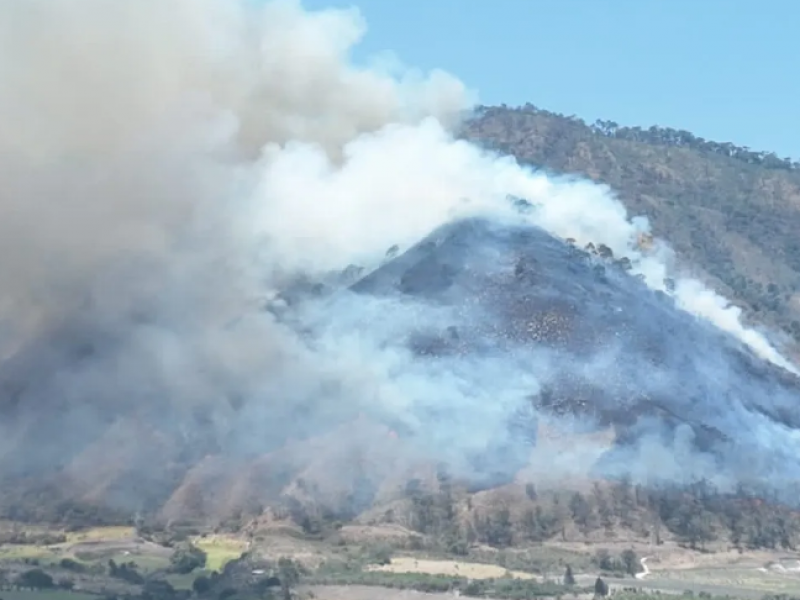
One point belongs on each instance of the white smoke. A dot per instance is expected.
(182, 158)
(127, 124)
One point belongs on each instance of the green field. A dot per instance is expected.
(106, 534)
(21, 552)
(220, 550)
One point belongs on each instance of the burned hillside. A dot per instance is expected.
(602, 345)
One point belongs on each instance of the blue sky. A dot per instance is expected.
(727, 70)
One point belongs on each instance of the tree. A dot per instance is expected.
(530, 491)
(35, 579)
(70, 564)
(382, 555)
(624, 501)
(66, 584)
(187, 558)
(600, 587)
(125, 571)
(569, 578)
(604, 251)
(602, 559)
(201, 585)
(631, 562)
(582, 513)
(496, 529)
(697, 527)
(560, 515)
(289, 575)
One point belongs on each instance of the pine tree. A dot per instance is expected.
(569, 578)
(600, 587)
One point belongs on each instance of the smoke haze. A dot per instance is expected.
(167, 168)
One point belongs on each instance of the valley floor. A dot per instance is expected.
(360, 568)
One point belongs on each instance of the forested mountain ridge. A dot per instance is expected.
(732, 214)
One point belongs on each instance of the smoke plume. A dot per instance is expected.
(168, 168)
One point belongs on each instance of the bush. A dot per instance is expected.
(125, 572)
(66, 584)
(35, 578)
(72, 565)
(382, 555)
(201, 585)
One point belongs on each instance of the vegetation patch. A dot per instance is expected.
(219, 550)
(17, 552)
(541, 559)
(98, 534)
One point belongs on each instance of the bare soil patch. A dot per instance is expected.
(364, 592)
(454, 568)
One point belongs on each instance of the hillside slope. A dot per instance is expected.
(597, 341)
(730, 213)
(484, 323)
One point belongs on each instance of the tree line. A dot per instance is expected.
(662, 136)
(695, 516)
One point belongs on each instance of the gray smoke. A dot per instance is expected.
(168, 168)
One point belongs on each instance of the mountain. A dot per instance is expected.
(600, 343)
(490, 350)
(495, 322)
(730, 213)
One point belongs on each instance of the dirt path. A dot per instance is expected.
(645, 570)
